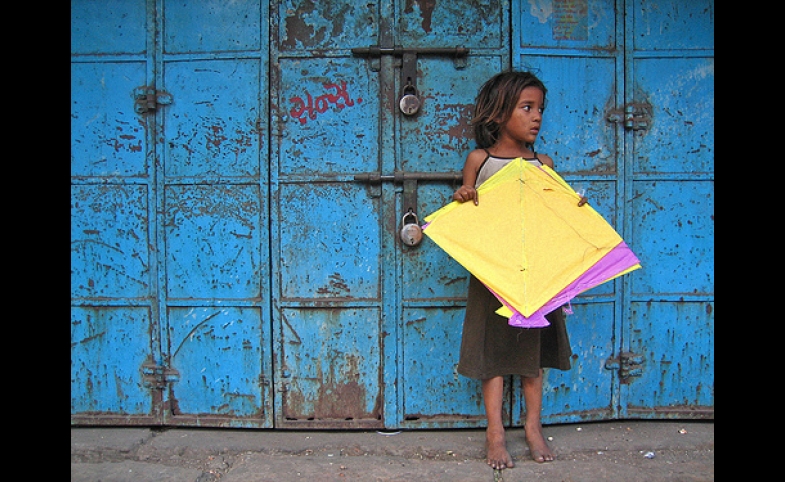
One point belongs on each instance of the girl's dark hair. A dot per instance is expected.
(496, 101)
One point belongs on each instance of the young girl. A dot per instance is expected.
(507, 118)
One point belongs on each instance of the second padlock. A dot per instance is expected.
(410, 102)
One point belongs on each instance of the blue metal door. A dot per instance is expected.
(630, 118)
(670, 193)
(169, 214)
(240, 173)
(367, 326)
(115, 344)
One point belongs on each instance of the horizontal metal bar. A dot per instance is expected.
(400, 176)
(376, 51)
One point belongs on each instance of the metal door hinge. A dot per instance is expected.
(147, 99)
(629, 364)
(158, 376)
(636, 116)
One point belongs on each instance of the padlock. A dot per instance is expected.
(411, 233)
(409, 103)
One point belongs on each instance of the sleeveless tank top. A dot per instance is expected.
(491, 165)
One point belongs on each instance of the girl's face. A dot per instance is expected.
(525, 120)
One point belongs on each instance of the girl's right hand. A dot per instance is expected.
(465, 193)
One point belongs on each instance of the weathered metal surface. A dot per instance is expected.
(170, 257)
(213, 239)
(671, 213)
(219, 355)
(429, 23)
(305, 25)
(650, 173)
(213, 128)
(677, 339)
(214, 196)
(113, 325)
(110, 255)
(108, 347)
(330, 367)
(108, 137)
(328, 246)
(109, 27)
(228, 269)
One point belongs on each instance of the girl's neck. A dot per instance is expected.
(507, 151)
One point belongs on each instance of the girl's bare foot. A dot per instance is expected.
(537, 445)
(496, 451)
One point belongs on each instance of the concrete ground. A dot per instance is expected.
(627, 451)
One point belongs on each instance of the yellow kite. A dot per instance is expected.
(529, 242)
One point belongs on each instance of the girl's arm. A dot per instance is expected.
(470, 170)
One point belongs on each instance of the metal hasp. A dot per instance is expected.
(636, 116)
(409, 181)
(629, 365)
(409, 100)
(459, 53)
(147, 99)
(158, 376)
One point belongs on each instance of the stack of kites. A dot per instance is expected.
(530, 243)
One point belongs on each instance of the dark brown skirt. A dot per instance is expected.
(490, 347)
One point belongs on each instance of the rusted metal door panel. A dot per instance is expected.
(341, 259)
(434, 394)
(113, 323)
(170, 257)
(108, 137)
(432, 285)
(676, 379)
(109, 27)
(577, 51)
(630, 118)
(214, 191)
(213, 235)
(331, 367)
(671, 326)
(330, 308)
(213, 127)
(106, 386)
(217, 356)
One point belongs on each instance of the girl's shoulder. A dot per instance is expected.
(475, 159)
(545, 159)
(480, 154)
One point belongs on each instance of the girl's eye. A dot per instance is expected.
(528, 108)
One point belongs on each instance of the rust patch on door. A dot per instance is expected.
(426, 11)
(337, 286)
(338, 396)
(310, 28)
